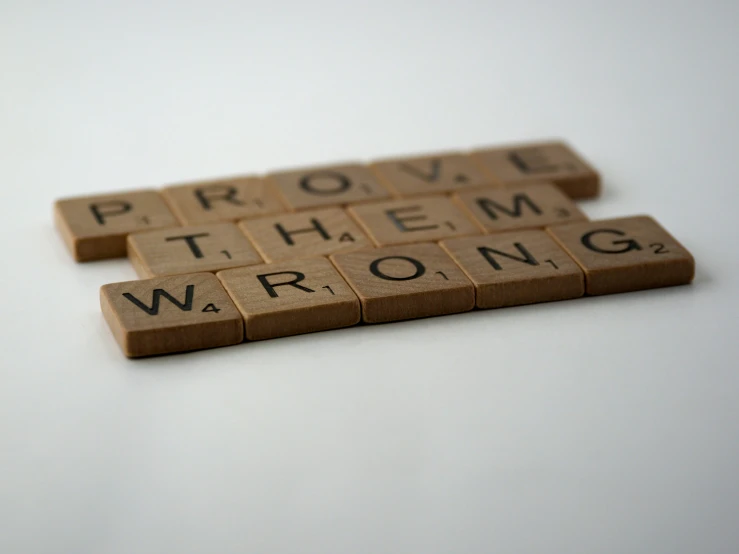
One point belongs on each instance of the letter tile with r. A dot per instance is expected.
(220, 200)
(291, 298)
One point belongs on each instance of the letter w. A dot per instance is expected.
(158, 293)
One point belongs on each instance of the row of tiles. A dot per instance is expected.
(321, 232)
(95, 227)
(203, 310)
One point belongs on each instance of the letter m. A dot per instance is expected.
(158, 294)
(519, 200)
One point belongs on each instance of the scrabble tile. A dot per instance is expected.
(545, 161)
(406, 282)
(625, 254)
(433, 174)
(413, 220)
(95, 227)
(291, 298)
(527, 206)
(171, 314)
(336, 185)
(303, 235)
(522, 267)
(222, 200)
(190, 250)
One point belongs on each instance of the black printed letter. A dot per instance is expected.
(317, 227)
(375, 268)
(270, 287)
(526, 258)
(342, 182)
(213, 193)
(190, 240)
(629, 244)
(399, 221)
(119, 207)
(489, 206)
(158, 293)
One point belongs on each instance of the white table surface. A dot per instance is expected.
(601, 425)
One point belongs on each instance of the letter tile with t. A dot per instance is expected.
(625, 254)
(171, 314)
(406, 282)
(193, 249)
(291, 298)
(308, 234)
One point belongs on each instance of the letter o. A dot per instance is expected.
(375, 268)
(342, 182)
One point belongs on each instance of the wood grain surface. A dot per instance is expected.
(625, 254)
(171, 314)
(291, 298)
(406, 282)
(424, 219)
(190, 249)
(303, 235)
(335, 185)
(548, 161)
(228, 199)
(430, 174)
(525, 206)
(96, 227)
(521, 267)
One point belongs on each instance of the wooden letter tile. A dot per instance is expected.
(413, 220)
(430, 174)
(222, 200)
(291, 298)
(303, 235)
(626, 254)
(547, 161)
(530, 206)
(171, 314)
(190, 250)
(318, 187)
(95, 227)
(406, 282)
(510, 269)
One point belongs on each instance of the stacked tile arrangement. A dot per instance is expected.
(323, 248)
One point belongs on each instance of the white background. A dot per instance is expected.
(601, 425)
